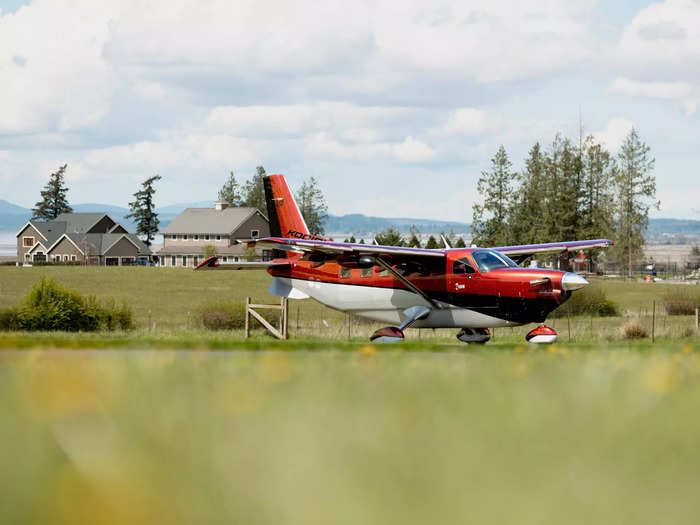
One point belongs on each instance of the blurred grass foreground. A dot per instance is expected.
(526, 436)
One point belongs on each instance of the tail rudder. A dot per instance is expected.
(282, 211)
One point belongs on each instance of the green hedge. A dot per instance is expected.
(50, 306)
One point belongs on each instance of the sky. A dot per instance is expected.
(395, 107)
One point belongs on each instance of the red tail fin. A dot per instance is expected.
(282, 210)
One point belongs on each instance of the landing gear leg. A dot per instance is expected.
(393, 334)
(542, 334)
(474, 335)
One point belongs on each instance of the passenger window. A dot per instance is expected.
(344, 273)
(382, 272)
(366, 272)
(462, 266)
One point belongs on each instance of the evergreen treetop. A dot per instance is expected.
(143, 211)
(53, 197)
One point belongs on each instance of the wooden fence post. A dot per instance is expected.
(653, 319)
(697, 319)
(247, 315)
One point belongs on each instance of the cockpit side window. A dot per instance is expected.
(490, 260)
(462, 266)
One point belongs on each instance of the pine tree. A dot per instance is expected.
(352, 239)
(254, 191)
(390, 237)
(460, 242)
(635, 189)
(490, 219)
(432, 243)
(414, 241)
(53, 197)
(231, 191)
(598, 170)
(143, 211)
(362, 241)
(312, 206)
(527, 214)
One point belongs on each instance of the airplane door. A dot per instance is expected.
(461, 275)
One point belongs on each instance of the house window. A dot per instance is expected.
(225, 259)
(196, 237)
(206, 237)
(184, 237)
(254, 234)
(27, 256)
(172, 261)
(28, 242)
(65, 258)
(235, 259)
(344, 273)
(72, 258)
(218, 237)
(367, 272)
(184, 260)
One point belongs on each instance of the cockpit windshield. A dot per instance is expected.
(487, 260)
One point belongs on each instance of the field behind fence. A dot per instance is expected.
(168, 300)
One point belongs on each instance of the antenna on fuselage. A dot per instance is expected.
(447, 244)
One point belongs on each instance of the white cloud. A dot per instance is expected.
(683, 92)
(54, 75)
(410, 150)
(663, 36)
(469, 121)
(614, 133)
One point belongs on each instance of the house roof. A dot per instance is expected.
(81, 222)
(210, 220)
(99, 243)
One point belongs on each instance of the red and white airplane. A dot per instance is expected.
(472, 289)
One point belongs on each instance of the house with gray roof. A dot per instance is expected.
(81, 238)
(223, 228)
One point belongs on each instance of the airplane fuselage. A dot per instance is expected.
(498, 297)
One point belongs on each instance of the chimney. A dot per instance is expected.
(221, 205)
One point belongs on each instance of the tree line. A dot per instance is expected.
(569, 192)
(310, 199)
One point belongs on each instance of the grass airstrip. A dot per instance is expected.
(166, 425)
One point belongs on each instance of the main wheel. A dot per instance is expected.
(388, 334)
(474, 335)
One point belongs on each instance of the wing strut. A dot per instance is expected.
(405, 281)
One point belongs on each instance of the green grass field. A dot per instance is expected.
(167, 301)
(118, 427)
(541, 436)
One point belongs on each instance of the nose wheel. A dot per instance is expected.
(541, 334)
(474, 335)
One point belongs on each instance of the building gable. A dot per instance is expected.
(103, 225)
(64, 246)
(118, 228)
(124, 247)
(256, 222)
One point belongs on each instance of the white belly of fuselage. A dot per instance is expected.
(386, 304)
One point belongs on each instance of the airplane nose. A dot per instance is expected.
(572, 281)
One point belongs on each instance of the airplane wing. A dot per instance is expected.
(213, 263)
(340, 248)
(522, 252)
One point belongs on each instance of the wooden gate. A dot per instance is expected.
(250, 311)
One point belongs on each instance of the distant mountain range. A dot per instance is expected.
(12, 217)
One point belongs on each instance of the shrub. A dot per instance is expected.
(8, 319)
(50, 306)
(588, 301)
(634, 331)
(231, 316)
(681, 302)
